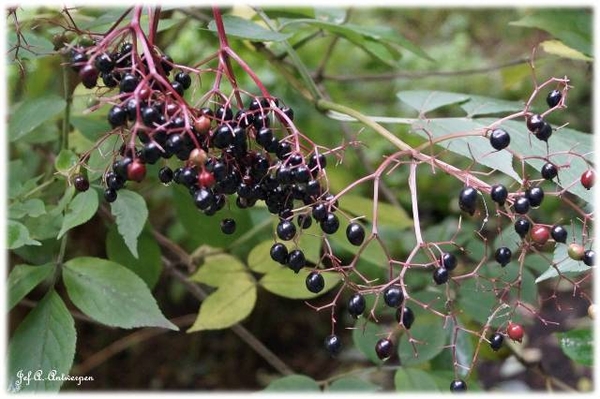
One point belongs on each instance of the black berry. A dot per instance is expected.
(356, 305)
(315, 282)
(165, 175)
(458, 386)
(553, 98)
(286, 230)
(228, 226)
(117, 116)
(405, 316)
(503, 255)
(522, 205)
(544, 132)
(104, 63)
(499, 194)
(499, 139)
(496, 341)
(304, 221)
(89, 76)
(333, 344)
(81, 183)
(110, 195)
(534, 122)
(549, 171)
(184, 79)
(589, 257)
(330, 224)
(384, 348)
(522, 227)
(151, 153)
(296, 260)
(319, 212)
(279, 253)
(448, 261)
(535, 195)
(355, 234)
(467, 200)
(559, 234)
(128, 83)
(441, 275)
(393, 297)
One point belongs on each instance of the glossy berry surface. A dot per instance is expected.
(522, 227)
(81, 183)
(184, 79)
(128, 83)
(286, 230)
(333, 344)
(559, 234)
(553, 98)
(575, 251)
(496, 341)
(315, 282)
(515, 332)
(441, 275)
(588, 179)
(540, 234)
(499, 139)
(356, 305)
(165, 175)
(384, 348)
(521, 205)
(355, 234)
(228, 226)
(296, 260)
(279, 253)
(393, 297)
(136, 171)
(499, 194)
(534, 122)
(535, 195)
(549, 171)
(405, 316)
(544, 132)
(89, 76)
(110, 195)
(458, 386)
(503, 255)
(467, 200)
(589, 257)
(117, 116)
(448, 261)
(330, 224)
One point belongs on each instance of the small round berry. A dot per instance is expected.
(151, 153)
(317, 161)
(204, 198)
(206, 179)
(588, 179)
(89, 76)
(553, 98)
(458, 386)
(576, 251)
(522, 227)
(540, 234)
(499, 139)
(515, 332)
(333, 344)
(589, 257)
(356, 305)
(165, 175)
(384, 348)
(315, 282)
(535, 195)
(117, 116)
(544, 132)
(104, 62)
(522, 205)
(128, 83)
(559, 233)
(393, 297)
(81, 183)
(319, 212)
(224, 113)
(110, 195)
(279, 253)
(467, 200)
(228, 226)
(405, 316)
(222, 137)
(534, 122)
(330, 224)
(110, 79)
(288, 112)
(503, 255)
(448, 261)
(286, 230)
(77, 60)
(184, 79)
(177, 88)
(136, 171)
(304, 221)
(296, 260)
(499, 194)
(549, 171)
(441, 275)
(355, 234)
(496, 341)
(150, 115)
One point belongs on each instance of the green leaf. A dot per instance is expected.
(560, 49)
(44, 341)
(410, 380)
(247, 30)
(102, 156)
(259, 259)
(81, 209)
(23, 278)
(284, 282)
(33, 207)
(130, 212)
(365, 335)
(65, 160)
(220, 269)
(228, 305)
(33, 113)
(578, 345)
(387, 214)
(425, 100)
(352, 384)
(293, 383)
(486, 303)
(18, 235)
(112, 294)
(480, 105)
(91, 128)
(148, 266)
(464, 351)
(563, 262)
(429, 330)
(330, 14)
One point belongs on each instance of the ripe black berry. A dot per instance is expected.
(184, 79)
(264, 136)
(222, 137)
(77, 60)
(355, 234)
(496, 341)
(544, 132)
(319, 212)
(534, 122)
(499, 194)
(405, 316)
(333, 344)
(109, 79)
(522, 205)
(458, 386)
(302, 174)
(296, 260)
(89, 76)
(499, 139)
(224, 112)
(286, 230)
(441, 275)
(384, 348)
(128, 83)
(165, 175)
(315, 282)
(104, 62)
(559, 234)
(203, 198)
(503, 255)
(393, 297)
(110, 195)
(535, 195)
(553, 98)
(549, 171)
(279, 253)
(589, 257)
(228, 226)
(356, 305)
(149, 115)
(448, 261)
(330, 224)
(81, 183)
(120, 167)
(117, 116)
(177, 88)
(317, 160)
(114, 181)
(288, 112)
(522, 227)
(467, 200)
(151, 153)
(283, 150)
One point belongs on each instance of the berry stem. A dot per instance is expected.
(66, 123)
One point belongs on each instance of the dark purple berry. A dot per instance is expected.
(296, 260)
(499, 194)
(286, 230)
(356, 305)
(499, 139)
(89, 76)
(279, 253)
(549, 171)
(355, 234)
(448, 261)
(496, 341)
(184, 79)
(384, 348)
(535, 195)
(81, 183)
(110, 195)
(165, 175)
(405, 316)
(315, 282)
(393, 297)
(522, 205)
(458, 386)
(522, 227)
(104, 63)
(559, 233)
(589, 257)
(553, 98)
(128, 83)
(534, 122)
(333, 344)
(544, 132)
(441, 275)
(503, 255)
(467, 200)
(228, 226)
(330, 224)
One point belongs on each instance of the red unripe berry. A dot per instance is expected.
(206, 179)
(202, 124)
(540, 234)
(515, 332)
(136, 171)
(588, 179)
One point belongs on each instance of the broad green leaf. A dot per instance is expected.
(429, 330)
(18, 235)
(91, 128)
(387, 214)
(33, 113)
(411, 380)
(228, 305)
(507, 238)
(37, 46)
(486, 303)
(23, 278)
(284, 282)
(44, 341)
(112, 294)
(293, 383)
(65, 160)
(425, 100)
(578, 345)
(480, 105)
(148, 266)
(130, 213)
(32, 207)
(311, 242)
(352, 384)
(259, 259)
(464, 351)
(560, 49)
(220, 269)
(247, 30)
(365, 336)
(81, 209)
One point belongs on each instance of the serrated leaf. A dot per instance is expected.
(130, 213)
(32, 207)
(293, 383)
(284, 282)
(148, 266)
(387, 214)
(352, 384)
(45, 340)
(429, 330)
(560, 49)
(259, 259)
(578, 345)
(81, 209)
(365, 337)
(33, 113)
(228, 305)
(220, 269)
(247, 30)
(112, 294)
(65, 160)
(414, 380)
(18, 235)
(23, 278)
(426, 100)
